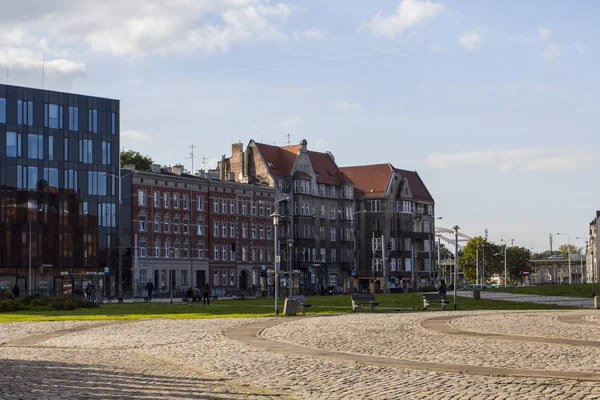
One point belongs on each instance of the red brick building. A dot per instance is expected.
(197, 229)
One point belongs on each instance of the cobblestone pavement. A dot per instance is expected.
(180, 359)
(533, 298)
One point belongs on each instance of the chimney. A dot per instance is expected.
(177, 169)
(303, 146)
(156, 168)
(231, 177)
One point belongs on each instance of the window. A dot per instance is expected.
(426, 245)
(35, 147)
(105, 153)
(85, 151)
(156, 199)
(96, 183)
(51, 116)
(51, 148)
(331, 212)
(93, 120)
(262, 231)
(407, 244)
(2, 110)
(176, 225)
(426, 227)
(393, 264)
(142, 250)
(73, 118)
(261, 254)
(201, 250)
(231, 230)
(175, 200)
(429, 209)
(24, 112)
(224, 229)
(157, 250)
(231, 207)
(167, 224)
(142, 223)
(186, 201)
(375, 205)
(113, 123)
(244, 253)
(71, 179)
(13, 144)
(216, 229)
(66, 149)
(407, 264)
(166, 199)
(269, 255)
(224, 277)
(156, 224)
(216, 205)
(231, 254)
(253, 254)
(224, 251)
(253, 231)
(224, 206)
(186, 226)
(244, 208)
(51, 177)
(141, 197)
(184, 275)
(200, 203)
(376, 224)
(332, 192)
(244, 230)
(216, 253)
(332, 234)
(253, 208)
(261, 209)
(268, 231)
(323, 255)
(200, 227)
(333, 280)
(406, 207)
(322, 211)
(216, 277)
(279, 185)
(333, 255)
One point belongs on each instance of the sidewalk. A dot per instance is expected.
(532, 298)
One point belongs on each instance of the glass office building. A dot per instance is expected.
(59, 160)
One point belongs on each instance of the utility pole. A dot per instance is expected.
(383, 263)
(550, 235)
(483, 259)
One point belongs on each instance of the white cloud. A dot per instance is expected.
(313, 34)
(143, 27)
(580, 48)
(408, 13)
(520, 159)
(293, 122)
(346, 106)
(435, 48)
(470, 40)
(551, 52)
(544, 33)
(135, 135)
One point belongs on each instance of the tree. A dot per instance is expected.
(141, 162)
(468, 259)
(564, 249)
(518, 260)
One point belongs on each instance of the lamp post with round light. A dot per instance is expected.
(290, 243)
(456, 228)
(276, 217)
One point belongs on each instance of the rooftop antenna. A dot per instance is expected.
(204, 163)
(550, 235)
(289, 139)
(191, 156)
(43, 70)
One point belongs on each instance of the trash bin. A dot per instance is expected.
(597, 302)
(477, 294)
(289, 307)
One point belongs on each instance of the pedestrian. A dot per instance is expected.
(88, 293)
(442, 289)
(198, 294)
(206, 295)
(149, 289)
(16, 292)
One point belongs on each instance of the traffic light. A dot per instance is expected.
(233, 246)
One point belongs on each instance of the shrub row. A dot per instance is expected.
(40, 303)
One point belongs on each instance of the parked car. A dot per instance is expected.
(332, 290)
(474, 286)
(495, 286)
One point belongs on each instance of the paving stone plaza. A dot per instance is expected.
(429, 355)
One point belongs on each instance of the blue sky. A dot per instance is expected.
(494, 103)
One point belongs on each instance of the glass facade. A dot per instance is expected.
(56, 176)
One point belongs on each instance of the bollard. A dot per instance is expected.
(477, 294)
(597, 302)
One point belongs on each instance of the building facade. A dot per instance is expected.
(59, 158)
(188, 230)
(316, 203)
(593, 250)
(395, 227)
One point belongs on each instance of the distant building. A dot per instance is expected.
(193, 229)
(58, 189)
(394, 204)
(593, 250)
(316, 200)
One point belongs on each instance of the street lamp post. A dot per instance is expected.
(439, 256)
(430, 252)
(586, 265)
(483, 258)
(568, 251)
(171, 254)
(456, 228)
(355, 243)
(505, 267)
(290, 243)
(276, 217)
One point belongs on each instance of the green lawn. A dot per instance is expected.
(255, 308)
(574, 290)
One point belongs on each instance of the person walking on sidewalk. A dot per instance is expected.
(206, 295)
(149, 289)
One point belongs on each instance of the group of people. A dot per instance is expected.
(194, 293)
(442, 287)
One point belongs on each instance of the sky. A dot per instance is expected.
(496, 104)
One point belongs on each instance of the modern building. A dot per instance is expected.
(395, 216)
(188, 230)
(316, 202)
(59, 158)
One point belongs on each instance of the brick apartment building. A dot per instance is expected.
(395, 204)
(193, 229)
(316, 201)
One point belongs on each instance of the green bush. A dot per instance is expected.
(9, 305)
(40, 303)
(5, 295)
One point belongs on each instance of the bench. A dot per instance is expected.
(301, 302)
(360, 300)
(434, 297)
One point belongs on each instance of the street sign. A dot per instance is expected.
(263, 267)
(277, 258)
(105, 270)
(525, 272)
(353, 273)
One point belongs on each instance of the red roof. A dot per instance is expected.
(373, 180)
(280, 161)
